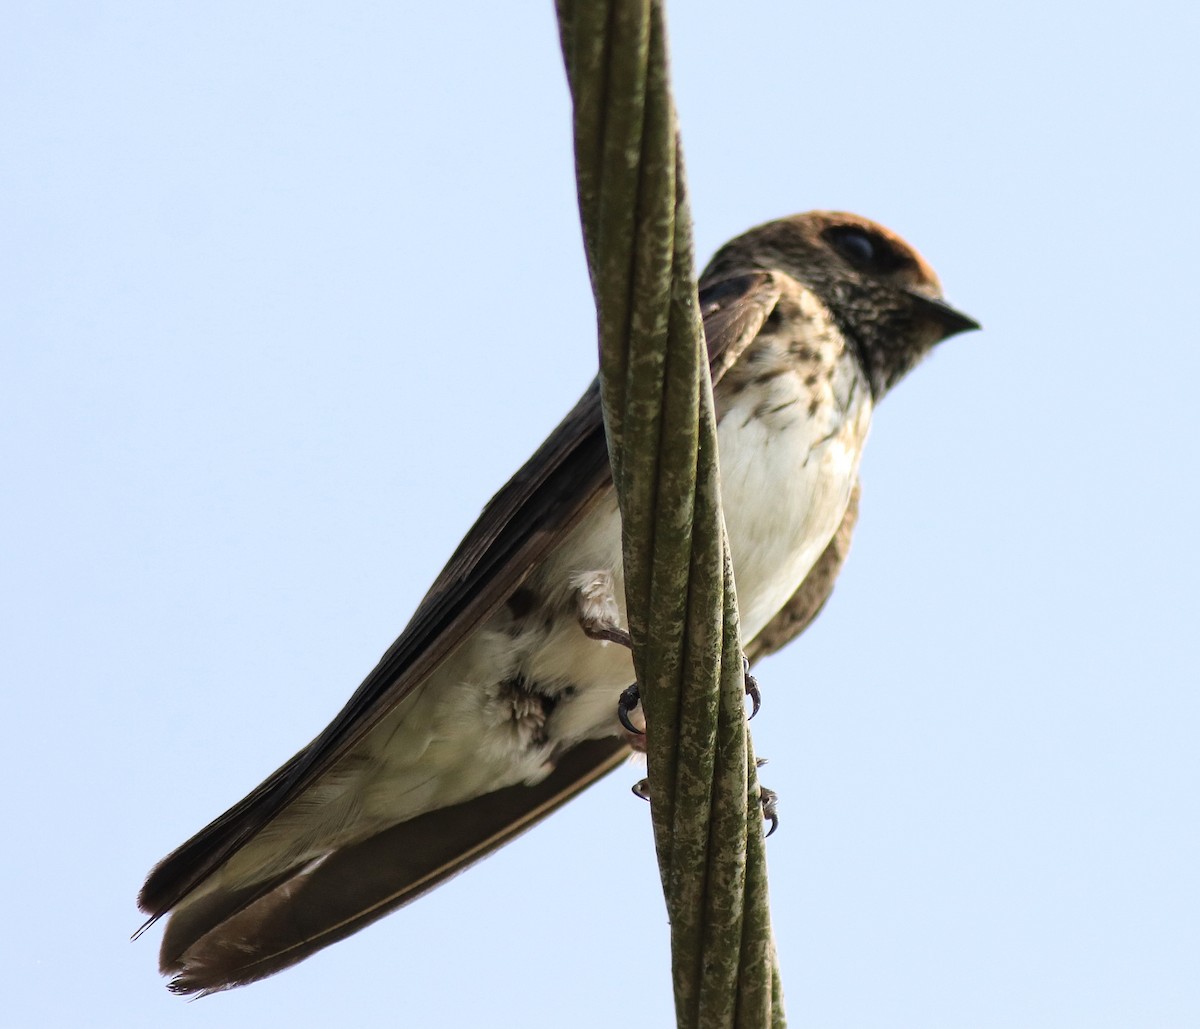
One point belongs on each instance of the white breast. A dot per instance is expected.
(786, 478)
(787, 470)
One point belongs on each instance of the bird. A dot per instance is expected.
(499, 700)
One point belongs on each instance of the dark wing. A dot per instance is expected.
(213, 949)
(807, 602)
(227, 938)
(517, 528)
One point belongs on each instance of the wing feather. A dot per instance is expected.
(567, 475)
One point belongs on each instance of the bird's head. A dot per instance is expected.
(884, 296)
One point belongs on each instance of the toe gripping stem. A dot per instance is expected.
(751, 687)
(769, 800)
(631, 697)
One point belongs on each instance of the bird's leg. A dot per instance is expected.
(596, 605)
(599, 618)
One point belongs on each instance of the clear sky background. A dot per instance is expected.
(289, 290)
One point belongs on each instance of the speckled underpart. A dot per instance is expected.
(800, 364)
(793, 416)
(809, 321)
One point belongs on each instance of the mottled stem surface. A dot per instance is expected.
(659, 416)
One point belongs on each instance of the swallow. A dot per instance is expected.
(499, 700)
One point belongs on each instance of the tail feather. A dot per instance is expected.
(225, 938)
(203, 913)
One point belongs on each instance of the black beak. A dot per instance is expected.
(948, 320)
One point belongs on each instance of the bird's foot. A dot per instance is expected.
(769, 800)
(751, 687)
(630, 698)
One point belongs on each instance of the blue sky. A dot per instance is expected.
(289, 290)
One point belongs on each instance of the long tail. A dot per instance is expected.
(222, 938)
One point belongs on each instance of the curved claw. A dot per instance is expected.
(751, 687)
(769, 800)
(631, 697)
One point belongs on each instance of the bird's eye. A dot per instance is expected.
(855, 246)
(866, 251)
